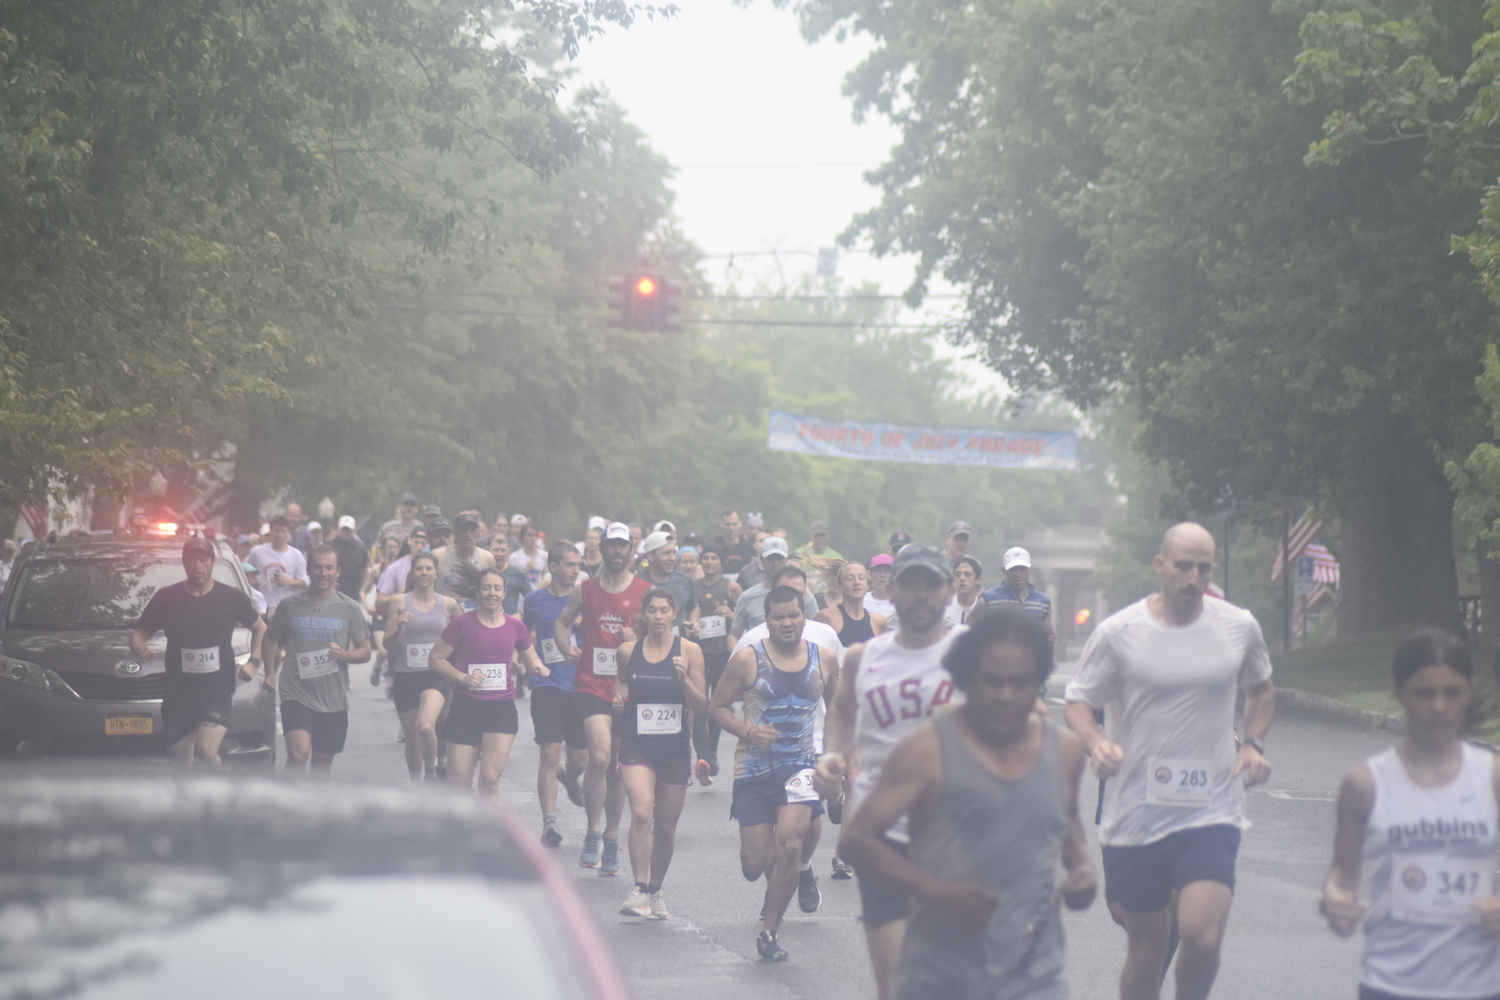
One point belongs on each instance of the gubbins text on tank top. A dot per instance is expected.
(1436, 830)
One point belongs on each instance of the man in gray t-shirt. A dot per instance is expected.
(321, 632)
(751, 609)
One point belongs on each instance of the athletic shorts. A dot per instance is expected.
(591, 704)
(671, 760)
(1141, 877)
(1371, 993)
(407, 687)
(882, 900)
(469, 719)
(554, 716)
(327, 729)
(186, 706)
(755, 799)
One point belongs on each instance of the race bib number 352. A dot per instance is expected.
(318, 663)
(1179, 782)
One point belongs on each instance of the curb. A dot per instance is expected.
(1331, 708)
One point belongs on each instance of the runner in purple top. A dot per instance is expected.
(479, 651)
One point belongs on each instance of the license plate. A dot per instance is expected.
(129, 725)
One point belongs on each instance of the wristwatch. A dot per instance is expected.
(1260, 747)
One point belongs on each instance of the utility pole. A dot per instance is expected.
(1286, 580)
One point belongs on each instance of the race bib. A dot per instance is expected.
(1431, 889)
(711, 626)
(496, 676)
(417, 654)
(550, 652)
(319, 663)
(1179, 781)
(200, 661)
(799, 787)
(606, 663)
(658, 720)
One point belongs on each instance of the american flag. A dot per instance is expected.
(1298, 538)
(1325, 578)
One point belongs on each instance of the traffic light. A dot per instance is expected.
(645, 302)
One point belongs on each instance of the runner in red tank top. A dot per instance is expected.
(605, 610)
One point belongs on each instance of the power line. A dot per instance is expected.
(697, 298)
(771, 166)
(708, 321)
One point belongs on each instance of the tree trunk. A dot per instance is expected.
(1398, 566)
(1489, 605)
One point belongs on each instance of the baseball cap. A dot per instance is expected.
(900, 538)
(466, 521)
(314, 526)
(774, 546)
(713, 547)
(346, 521)
(518, 519)
(432, 509)
(407, 498)
(958, 528)
(441, 524)
(1015, 557)
(597, 522)
(242, 539)
(922, 557)
(197, 547)
(818, 528)
(666, 526)
(883, 559)
(617, 532)
(655, 540)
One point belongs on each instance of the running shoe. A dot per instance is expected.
(836, 810)
(589, 856)
(841, 869)
(570, 785)
(770, 949)
(375, 676)
(611, 863)
(442, 769)
(713, 764)
(400, 736)
(809, 896)
(705, 775)
(658, 907)
(551, 835)
(637, 904)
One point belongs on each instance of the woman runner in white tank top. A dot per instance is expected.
(1421, 820)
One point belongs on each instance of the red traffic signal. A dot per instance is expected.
(644, 302)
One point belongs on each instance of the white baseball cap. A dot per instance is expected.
(617, 532)
(597, 522)
(346, 521)
(1015, 557)
(775, 545)
(314, 526)
(655, 540)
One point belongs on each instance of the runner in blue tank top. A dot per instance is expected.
(781, 681)
(656, 691)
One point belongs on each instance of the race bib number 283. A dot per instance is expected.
(1179, 782)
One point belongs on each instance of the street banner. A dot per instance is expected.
(1051, 450)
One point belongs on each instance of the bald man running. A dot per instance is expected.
(1166, 670)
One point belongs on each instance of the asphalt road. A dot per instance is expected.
(1276, 945)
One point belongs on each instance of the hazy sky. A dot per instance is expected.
(767, 153)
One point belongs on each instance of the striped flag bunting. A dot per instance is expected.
(1301, 534)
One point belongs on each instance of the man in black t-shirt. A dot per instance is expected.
(199, 616)
(354, 558)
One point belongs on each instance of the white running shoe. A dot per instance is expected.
(658, 907)
(637, 904)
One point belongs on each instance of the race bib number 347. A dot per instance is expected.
(1179, 781)
(1427, 889)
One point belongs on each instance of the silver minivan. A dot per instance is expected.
(68, 679)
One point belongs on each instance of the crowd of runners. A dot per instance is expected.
(896, 697)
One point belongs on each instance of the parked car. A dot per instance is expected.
(67, 675)
(185, 885)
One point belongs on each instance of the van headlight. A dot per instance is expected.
(32, 675)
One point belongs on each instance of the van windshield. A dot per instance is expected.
(77, 593)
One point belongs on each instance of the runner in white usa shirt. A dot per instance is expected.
(889, 687)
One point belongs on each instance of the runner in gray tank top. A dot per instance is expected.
(992, 793)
